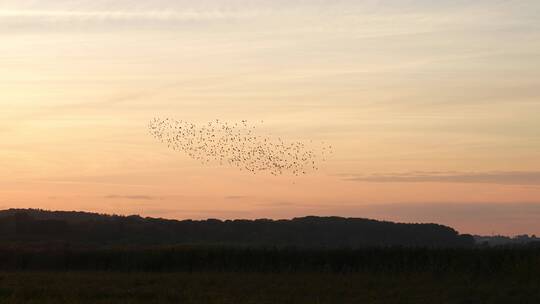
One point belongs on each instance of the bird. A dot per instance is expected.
(238, 145)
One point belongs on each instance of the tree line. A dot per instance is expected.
(34, 227)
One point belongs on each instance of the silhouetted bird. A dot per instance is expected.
(236, 145)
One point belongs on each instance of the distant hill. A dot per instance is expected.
(34, 227)
(501, 240)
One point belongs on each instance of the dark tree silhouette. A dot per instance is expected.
(97, 230)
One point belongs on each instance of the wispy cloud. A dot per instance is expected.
(186, 15)
(278, 204)
(132, 197)
(236, 197)
(494, 177)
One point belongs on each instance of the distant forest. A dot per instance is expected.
(34, 228)
(38, 240)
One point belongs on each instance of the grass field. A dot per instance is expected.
(256, 288)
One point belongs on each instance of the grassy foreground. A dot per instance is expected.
(117, 287)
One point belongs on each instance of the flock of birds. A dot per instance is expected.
(236, 144)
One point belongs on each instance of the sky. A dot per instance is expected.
(433, 107)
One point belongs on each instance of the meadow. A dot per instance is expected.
(258, 288)
(250, 275)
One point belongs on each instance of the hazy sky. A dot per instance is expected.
(433, 107)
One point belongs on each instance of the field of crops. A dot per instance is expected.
(115, 287)
(258, 275)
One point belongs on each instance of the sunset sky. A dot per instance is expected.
(433, 107)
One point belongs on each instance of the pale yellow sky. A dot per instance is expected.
(433, 107)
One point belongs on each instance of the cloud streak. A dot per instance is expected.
(132, 197)
(492, 177)
(236, 197)
(186, 15)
